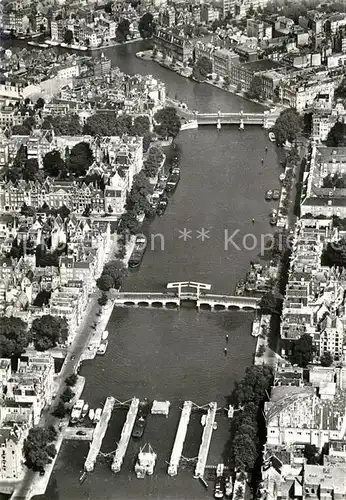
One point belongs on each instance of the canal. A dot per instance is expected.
(178, 355)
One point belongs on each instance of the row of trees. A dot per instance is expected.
(61, 408)
(38, 448)
(112, 275)
(248, 396)
(337, 135)
(105, 124)
(201, 69)
(153, 161)
(288, 126)
(46, 332)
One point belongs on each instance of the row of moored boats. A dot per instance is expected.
(81, 410)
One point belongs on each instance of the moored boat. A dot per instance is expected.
(276, 194)
(139, 427)
(97, 415)
(138, 251)
(145, 462)
(77, 411)
(219, 482)
(103, 347)
(91, 414)
(173, 179)
(272, 137)
(273, 218)
(162, 206)
(228, 486)
(105, 335)
(256, 328)
(269, 195)
(85, 410)
(282, 177)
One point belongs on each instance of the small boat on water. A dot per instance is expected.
(138, 251)
(91, 414)
(273, 218)
(105, 335)
(139, 427)
(145, 462)
(173, 179)
(219, 482)
(85, 410)
(256, 328)
(97, 415)
(83, 477)
(269, 195)
(228, 486)
(103, 347)
(77, 411)
(276, 194)
(163, 203)
(272, 137)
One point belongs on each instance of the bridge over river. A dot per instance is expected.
(171, 300)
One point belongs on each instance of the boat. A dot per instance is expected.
(139, 427)
(160, 186)
(273, 218)
(145, 462)
(91, 414)
(97, 415)
(276, 194)
(282, 177)
(105, 335)
(103, 347)
(173, 179)
(36, 44)
(272, 137)
(256, 328)
(162, 206)
(77, 411)
(83, 477)
(85, 410)
(228, 486)
(219, 482)
(269, 195)
(138, 251)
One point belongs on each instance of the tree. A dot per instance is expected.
(334, 254)
(103, 299)
(123, 30)
(129, 223)
(60, 410)
(255, 90)
(227, 81)
(68, 37)
(27, 211)
(268, 303)
(53, 164)
(303, 351)
(311, 454)
(38, 450)
(109, 7)
(71, 380)
(14, 337)
(326, 359)
(63, 125)
(21, 130)
(80, 159)
(67, 395)
(260, 351)
(287, 126)
(202, 68)
(337, 135)
(240, 492)
(39, 103)
(141, 126)
(112, 275)
(31, 170)
(48, 331)
(146, 25)
(168, 122)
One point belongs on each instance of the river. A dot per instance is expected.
(178, 355)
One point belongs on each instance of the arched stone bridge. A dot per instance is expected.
(173, 301)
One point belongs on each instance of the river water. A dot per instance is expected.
(178, 355)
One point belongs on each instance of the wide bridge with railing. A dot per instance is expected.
(175, 300)
(266, 119)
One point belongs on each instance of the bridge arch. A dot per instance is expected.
(129, 303)
(143, 303)
(220, 307)
(157, 303)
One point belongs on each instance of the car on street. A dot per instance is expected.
(81, 433)
(72, 357)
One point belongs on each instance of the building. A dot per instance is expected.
(259, 29)
(175, 45)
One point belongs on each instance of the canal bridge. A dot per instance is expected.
(175, 300)
(266, 119)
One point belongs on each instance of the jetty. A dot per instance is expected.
(179, 439)
(99, 433)
(206, 439)
(125, 435)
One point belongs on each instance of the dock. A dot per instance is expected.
(179, 439)
(99, 433)
(206, 439)
(125, 435)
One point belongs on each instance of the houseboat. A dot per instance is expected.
(91, 414)
(163, 203)
(219, 482)
(273, 218)
(97, 415)
(138, 251)
(256, 328)
(145, 462)
(276, 194)
(228, 486)
(105, 335)
(173, 179)
(85, 410)
(103, 347)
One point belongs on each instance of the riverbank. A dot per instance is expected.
(186, 72)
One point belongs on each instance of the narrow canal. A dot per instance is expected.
(178, 355)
